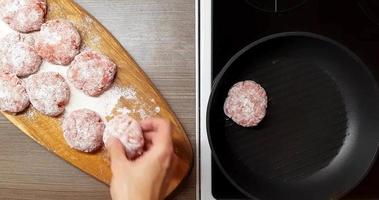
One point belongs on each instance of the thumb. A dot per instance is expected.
(117, 154)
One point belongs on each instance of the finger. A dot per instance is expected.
(159, 135)
(154, 124)
(147, 125)
(158, 141)
(147, 145)
(117, 154)
(170, 173)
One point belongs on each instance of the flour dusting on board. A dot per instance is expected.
(86, 24)
(93, 38)
(31, 114)
(105, 104)
(123, 111)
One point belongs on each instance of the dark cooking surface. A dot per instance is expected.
(354, 23)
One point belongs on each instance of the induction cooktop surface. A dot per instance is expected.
(237, 23)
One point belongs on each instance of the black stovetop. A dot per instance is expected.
(237, 23)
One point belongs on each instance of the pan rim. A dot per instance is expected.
(261, 41)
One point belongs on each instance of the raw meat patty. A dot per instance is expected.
(83, 130)
(11, 38)
(13, 96)
(58, 42)
(48, 92)
(23, 15)
(91, 72)
(18, 55)
(246, 103)
(128, 131)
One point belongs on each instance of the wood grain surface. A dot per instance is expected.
(164, 52)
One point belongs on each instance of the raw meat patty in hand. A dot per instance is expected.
(58, 42)
(246, 103)
(128, 131)
(48, 92)
(83, 130)
(91, 72)
(18, 55)
(13, 96)
(23, 15)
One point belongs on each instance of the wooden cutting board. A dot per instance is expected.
(47, 132)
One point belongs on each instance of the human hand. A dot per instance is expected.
(143, 178)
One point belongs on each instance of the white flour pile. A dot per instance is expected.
(103, 104)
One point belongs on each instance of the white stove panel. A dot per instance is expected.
(204, 86)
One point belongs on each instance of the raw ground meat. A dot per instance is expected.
(18, 56)
(128, 131)
(48, 92)
(91, 72)
(23, 15)
(83, 130)
(13, 96)
(58, 42)
(12, 38)
(246, 103)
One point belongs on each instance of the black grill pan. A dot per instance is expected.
(320, 135)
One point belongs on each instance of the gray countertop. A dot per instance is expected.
(160, 35)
